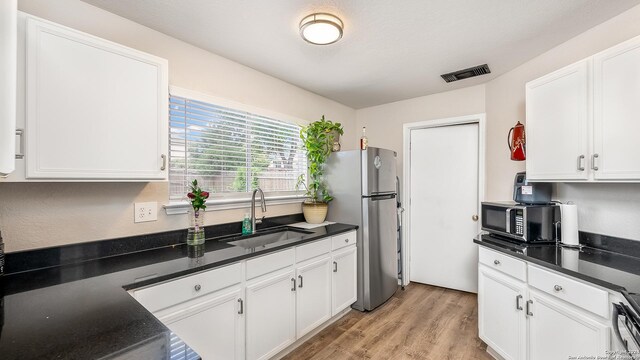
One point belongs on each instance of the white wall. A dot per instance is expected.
(39, 215)
(384, 122)
(608, 209)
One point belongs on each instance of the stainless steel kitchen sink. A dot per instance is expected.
(270, 237)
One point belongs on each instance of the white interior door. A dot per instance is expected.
(444, 199)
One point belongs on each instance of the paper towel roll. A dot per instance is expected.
(569, 225)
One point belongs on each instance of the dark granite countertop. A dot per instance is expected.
(612, 270)
(83, 311)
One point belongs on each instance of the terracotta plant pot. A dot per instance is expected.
(315, 213)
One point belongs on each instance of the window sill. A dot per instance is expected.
(177, 208)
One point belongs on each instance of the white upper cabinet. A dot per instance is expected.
(582, 119)
(617, 112)
(8, 68)
(95, 110)
(557, 108)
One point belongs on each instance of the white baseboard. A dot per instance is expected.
(311, 334)
(494, 354)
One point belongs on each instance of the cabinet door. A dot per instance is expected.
(213, 328)
(501, 319)
(616, 99)
(558, 110)
(8, 69)
(271, 321)
(344, 282)
(313, 299)
(560, 331)
(96, 110)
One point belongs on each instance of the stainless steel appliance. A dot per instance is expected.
(363, 184)
(525, 192)
(527, 223)
(626, 326)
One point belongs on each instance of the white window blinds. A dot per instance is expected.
(230, 151)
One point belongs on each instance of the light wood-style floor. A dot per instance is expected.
(422, 322)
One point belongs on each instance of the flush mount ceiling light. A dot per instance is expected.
(321, 29)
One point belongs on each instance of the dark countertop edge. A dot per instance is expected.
(547, 265)
(632, 301)
(163, 278)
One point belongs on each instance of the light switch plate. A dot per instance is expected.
(146, 211)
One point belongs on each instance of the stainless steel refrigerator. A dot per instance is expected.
(363, 184)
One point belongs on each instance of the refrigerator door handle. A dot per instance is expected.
(381, 197)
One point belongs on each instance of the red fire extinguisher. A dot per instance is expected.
(516, 143)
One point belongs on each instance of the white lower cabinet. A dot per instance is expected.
(271, 315)
(214, 327)
(501, 320)
(256, 308)
(520, 319)
(313, 295)
(560, 331)
(344, 279)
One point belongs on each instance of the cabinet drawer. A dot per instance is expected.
(311, 250)
(577, 293)
(174, 292)
(503, 263)
(268, 263)
(342, 240)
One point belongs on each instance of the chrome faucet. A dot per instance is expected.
(253, 209)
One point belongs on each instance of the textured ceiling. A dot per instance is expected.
(391, 50)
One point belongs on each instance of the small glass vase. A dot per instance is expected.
(195, 234)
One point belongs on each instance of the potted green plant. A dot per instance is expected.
(318, 139)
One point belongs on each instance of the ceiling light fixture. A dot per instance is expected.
(321, 29)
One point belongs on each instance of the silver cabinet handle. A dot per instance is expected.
(293, 284)
(20, 133)
(164, 162)
(300, 277)
(518, 306)
(557, 288)
(475, 218)
(197, 287)
(593, 162)
(335, 266)
(529, 303)
(346, 240)
(496, 262)
(581, 163)
(241, 311)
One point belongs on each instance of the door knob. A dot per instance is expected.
(475, 218)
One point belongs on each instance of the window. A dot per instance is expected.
(230, 152)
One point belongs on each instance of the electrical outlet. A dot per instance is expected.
(143, 212)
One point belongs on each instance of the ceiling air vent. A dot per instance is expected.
(466, 73)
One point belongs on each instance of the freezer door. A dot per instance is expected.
(380, 250)
(378, 171)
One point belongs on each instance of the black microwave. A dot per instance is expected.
(526, 223)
